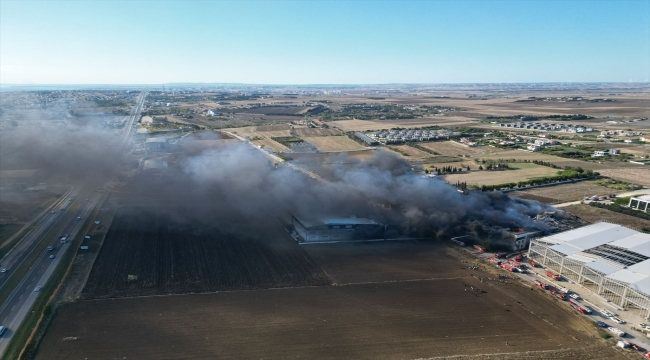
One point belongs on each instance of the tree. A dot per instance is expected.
(480, 167)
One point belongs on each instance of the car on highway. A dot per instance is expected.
(4, 270)
(78, 217)
(2, 330)
(617, 320)
(574, 296)
(51, 256)
(50, 248)
(602, 324)
(37, 289)
(607, 313)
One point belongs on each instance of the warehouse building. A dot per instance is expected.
(337, 229)
(610, 260)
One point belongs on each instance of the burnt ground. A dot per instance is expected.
(395, 300)
(163, 251)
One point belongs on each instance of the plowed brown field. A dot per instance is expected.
(401, 300)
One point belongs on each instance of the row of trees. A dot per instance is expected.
(621, 209)
(448, 169)
(564, 175)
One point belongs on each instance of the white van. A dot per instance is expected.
(2, 330)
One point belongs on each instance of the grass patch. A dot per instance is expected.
(522, 165)
(288, 140)
(441, 159)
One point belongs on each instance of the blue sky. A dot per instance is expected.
(323, 42)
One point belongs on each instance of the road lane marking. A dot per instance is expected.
(12, 309)
(21, 296)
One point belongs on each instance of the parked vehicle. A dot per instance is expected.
(635, 346)
(607, 312)
(560, 296)
(552, 275)
(616, 320)
(564, 290)
(479, 248)
(616, 331)
(574, 296)
(532, 264)
(541, 284)
(602, 324)
(494, 261)
(519, 257)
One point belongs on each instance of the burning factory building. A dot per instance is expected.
(337, 229)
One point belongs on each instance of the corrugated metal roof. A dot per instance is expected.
(565, 249)
(602, 237)
(642, 268)
(638, 241)
(583, 231)
(642, 286)
(602, 267)
(626, 276)
(581, 258)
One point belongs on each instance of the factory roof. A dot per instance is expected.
(642, 197)
(620, 253)
(156, 139)
(348, 221)
(313, 223)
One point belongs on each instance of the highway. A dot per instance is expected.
(21, 298)
(19, 303)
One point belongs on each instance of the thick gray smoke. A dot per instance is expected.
(383, 188)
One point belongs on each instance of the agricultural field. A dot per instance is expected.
(280, 127)
(334, 143)
(309, 132)
(594, 214)
(565, 192)
(147, 253)
(422, 302)
(559, 161)
(500, 176)
(639, 176)
(452, 148)
(363, 125)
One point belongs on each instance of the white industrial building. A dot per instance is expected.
(640, 203)
(608, 259)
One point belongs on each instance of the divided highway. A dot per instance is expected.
(21, 298)
(19, 303)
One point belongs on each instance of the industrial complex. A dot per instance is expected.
(610, 260)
